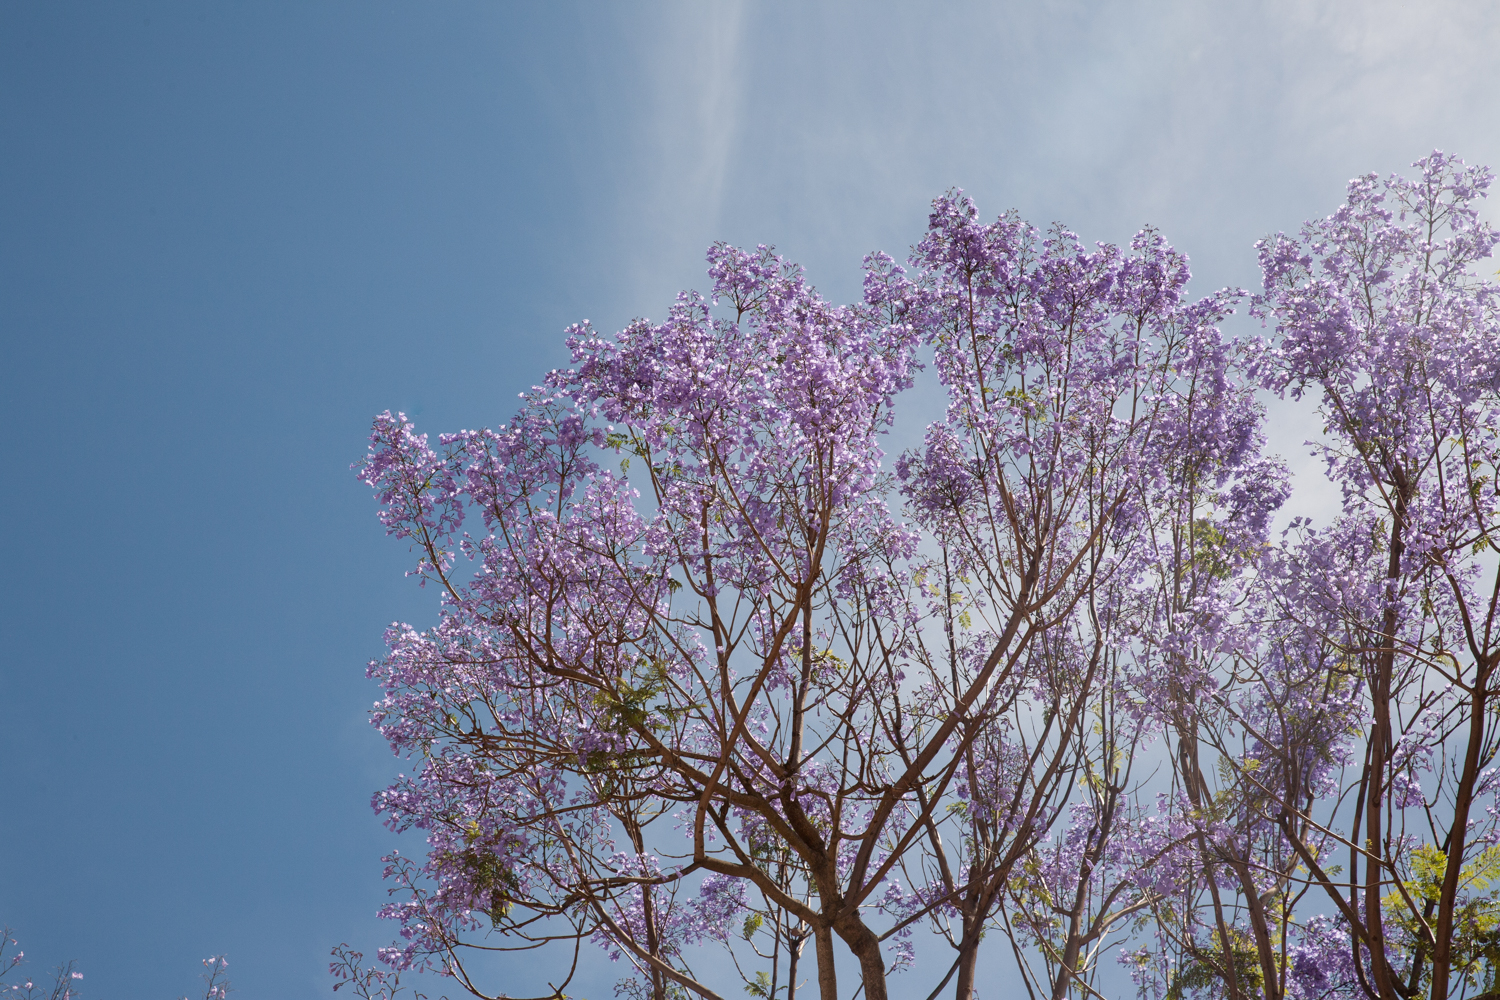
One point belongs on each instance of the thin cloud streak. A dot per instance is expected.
(1218, 124)
(672, 199)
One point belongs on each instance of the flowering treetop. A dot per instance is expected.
(724, 678)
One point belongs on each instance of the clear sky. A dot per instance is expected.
(231, 232)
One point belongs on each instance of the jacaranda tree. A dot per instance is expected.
(710, 677)
(1381, 315)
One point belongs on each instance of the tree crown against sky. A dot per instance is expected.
(726, 680)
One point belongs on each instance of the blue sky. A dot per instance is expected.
(230, 233)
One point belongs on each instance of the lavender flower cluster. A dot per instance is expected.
(1048, 688)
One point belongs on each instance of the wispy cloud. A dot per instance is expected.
(672, 198)
(827, 129)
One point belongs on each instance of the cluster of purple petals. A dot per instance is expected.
(707, 627)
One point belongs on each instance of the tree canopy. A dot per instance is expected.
(712, 674)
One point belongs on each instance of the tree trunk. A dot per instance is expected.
(794, 952)
(1381, 748)
(871, 966)
(968, 958)
(828, 985)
